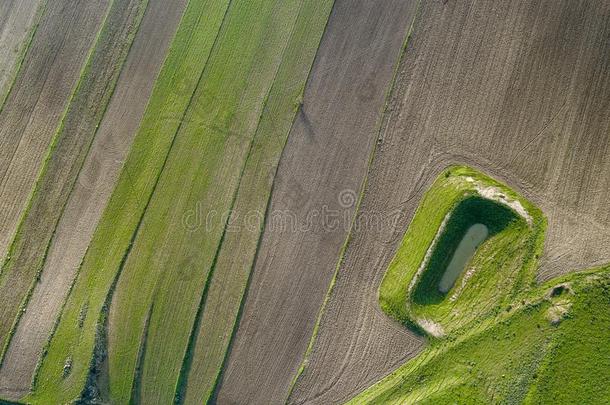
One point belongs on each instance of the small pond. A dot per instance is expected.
(475, 235)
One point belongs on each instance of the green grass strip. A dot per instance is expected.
(434, 219)
(225, 287)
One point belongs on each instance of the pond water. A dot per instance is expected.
(475, 235)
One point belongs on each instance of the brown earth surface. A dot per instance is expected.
(325, 158)
(18, 18)
(518, 90)
(33, 110)
(91, 192)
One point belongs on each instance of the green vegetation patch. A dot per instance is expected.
(172, 260)
(229, 274)
(576, 368)
(220, 112)
(524, 355)
(458, 199)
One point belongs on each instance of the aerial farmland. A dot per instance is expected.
(304, 202)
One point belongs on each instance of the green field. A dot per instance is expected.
(209, 155)
(499, 338)
(234, 256)
(210, 130)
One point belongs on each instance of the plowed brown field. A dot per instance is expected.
(18, 21)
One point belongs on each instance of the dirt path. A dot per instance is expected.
(32, 111)
(518, 90)
(91, 191)
(326, 154)
(17, 18)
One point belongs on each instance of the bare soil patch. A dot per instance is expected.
(17, 20)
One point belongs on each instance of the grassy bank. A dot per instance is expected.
(524, 355)
(458, 199)
(505, 339)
